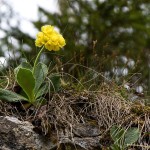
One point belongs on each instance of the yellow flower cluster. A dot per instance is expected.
(50, 38)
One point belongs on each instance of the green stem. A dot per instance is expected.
(37, 58)
(32, 98)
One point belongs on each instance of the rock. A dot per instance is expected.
(79, 143)
(19, 135)
(86, 130)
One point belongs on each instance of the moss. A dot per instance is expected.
(140, 109)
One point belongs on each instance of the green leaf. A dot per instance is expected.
(27, 82)
(22, 93)
(131, 136)
(40, 73)
(43, 90)
(40, 101)
(115, 147)
(117, 134)
(25, 65)
(10, 96)
(54, 82)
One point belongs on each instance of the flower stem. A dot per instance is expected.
(37, 58)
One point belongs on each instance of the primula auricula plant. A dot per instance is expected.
(32, 80)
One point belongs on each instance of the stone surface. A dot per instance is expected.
(86, 130)
(19, 135)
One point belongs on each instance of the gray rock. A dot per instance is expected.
(80, 143)
(86, 130)
(19, 135)
(77, 143)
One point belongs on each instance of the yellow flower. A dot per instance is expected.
(50, 38)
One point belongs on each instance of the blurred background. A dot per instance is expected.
(106, 39)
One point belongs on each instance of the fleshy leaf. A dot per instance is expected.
(131, 136)
(25, 65)
(40, 101)
(115, 147)
(9, 96)
(40, 73)
(117, 134)
(43, 90)
(27, 82)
